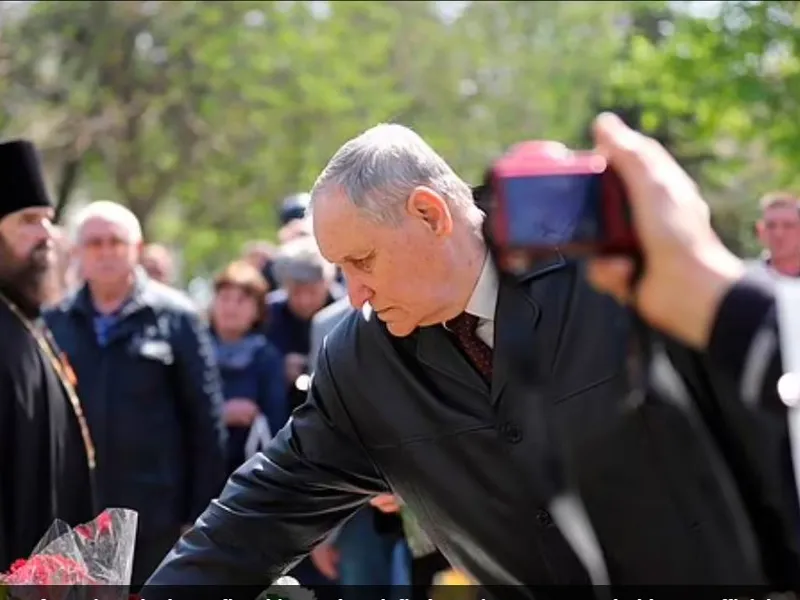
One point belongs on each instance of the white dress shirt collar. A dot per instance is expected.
(483, 301)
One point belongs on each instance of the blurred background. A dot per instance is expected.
(211, 120)
(202, 116)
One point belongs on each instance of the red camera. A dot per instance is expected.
(542, 198)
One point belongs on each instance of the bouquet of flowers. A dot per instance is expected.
(94, 560)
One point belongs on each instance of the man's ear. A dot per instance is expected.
(425, 204)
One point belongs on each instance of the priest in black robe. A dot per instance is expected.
(46, 452)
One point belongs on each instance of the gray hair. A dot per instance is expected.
(110, 212)
(380, 168)
(300, 260)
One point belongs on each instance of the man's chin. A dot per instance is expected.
(400, 328)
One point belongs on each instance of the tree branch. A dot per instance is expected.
(67, 182)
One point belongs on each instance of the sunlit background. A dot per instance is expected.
(202, 116)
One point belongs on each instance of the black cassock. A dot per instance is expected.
(44, 467)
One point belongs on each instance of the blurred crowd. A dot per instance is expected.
(258, 337)
(228, 381)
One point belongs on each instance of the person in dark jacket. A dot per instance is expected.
(149, 383)
(307, 286)
(46, 453)
(416, 395)
(731, 314)
(682, 253)
(256, 407)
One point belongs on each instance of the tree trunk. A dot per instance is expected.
(67, 182)
(143, 208)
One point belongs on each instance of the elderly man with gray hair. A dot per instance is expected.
(414, 394)
(146, 373)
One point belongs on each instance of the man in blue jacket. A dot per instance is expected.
(150, 386)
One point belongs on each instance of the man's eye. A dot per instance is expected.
(363, 263)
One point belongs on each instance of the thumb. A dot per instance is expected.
(622, 146)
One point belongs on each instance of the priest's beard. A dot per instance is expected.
(26, 279)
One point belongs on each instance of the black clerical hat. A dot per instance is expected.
(21, 180)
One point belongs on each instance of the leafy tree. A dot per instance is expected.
(201, 115)
(531, 70)
(726, 81)
(198, 112)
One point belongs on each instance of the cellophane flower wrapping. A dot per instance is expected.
(419, 543)
(91, 560)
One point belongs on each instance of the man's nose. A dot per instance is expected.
(358, 293)
(47, 231)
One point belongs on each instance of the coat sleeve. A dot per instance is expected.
(281, 503)
(199, 391)
(749, 428)
(745, 344)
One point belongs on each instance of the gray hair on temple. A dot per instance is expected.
(379, 169)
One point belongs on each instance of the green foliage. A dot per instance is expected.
(731, 81)
(202, 115)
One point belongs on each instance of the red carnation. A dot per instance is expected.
(17, 565)
(51, 575)
(48, 570)
(101, 525)
(104, 522)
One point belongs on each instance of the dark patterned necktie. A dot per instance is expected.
(465, 329)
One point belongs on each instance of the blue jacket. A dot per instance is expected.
(151, 392)
(252, 368)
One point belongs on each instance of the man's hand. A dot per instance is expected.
(386, 503)
(294, 366)
(326, 558)
(687, 268)
(240, 412)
